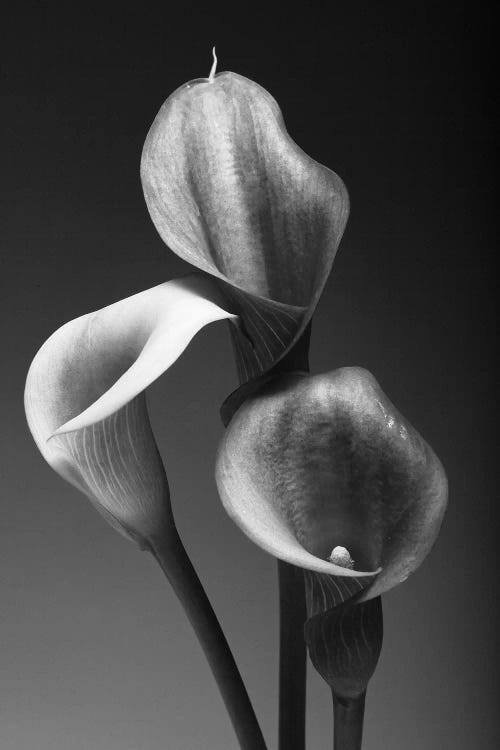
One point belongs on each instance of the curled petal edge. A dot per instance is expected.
(230, 192)
(139, 337)
(85, 404)
(302, 439)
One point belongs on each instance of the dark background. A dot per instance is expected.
(95, 652)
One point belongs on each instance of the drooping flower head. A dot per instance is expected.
(311, 463)
(325, 474)
(230, 192)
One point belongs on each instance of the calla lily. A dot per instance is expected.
(324, 473)
(85, 403)
(230, 192)
(310, 463)
(86, 409)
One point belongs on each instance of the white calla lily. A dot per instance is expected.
(85, 404)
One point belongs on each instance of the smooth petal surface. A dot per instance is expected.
(230, 192)
(85, 404)
(315, 462)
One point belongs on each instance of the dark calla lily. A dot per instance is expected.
(311, 463)
(230, 192)
(325, 474)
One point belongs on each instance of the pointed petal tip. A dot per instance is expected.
(65, 428)
(154, 326)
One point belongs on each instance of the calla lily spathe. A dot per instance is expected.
(231, 193)
(85, 403)
(309, 463)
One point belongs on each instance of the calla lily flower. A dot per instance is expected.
(313, 463)
(231, 193)
(85, 403)
(325, 474)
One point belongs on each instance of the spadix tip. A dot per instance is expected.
(340, 556)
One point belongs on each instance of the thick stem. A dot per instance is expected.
(293, 614)
(348, 723)
(175, 563)
(292, 679)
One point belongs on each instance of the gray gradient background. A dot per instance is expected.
(95, 652)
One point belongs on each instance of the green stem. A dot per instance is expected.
(175, 563)
(292, 678)
(348, 723)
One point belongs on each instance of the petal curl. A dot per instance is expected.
(230, 192)
(85, 405)
(312, 462)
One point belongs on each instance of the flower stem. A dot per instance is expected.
(175, 563)
(292, 679)
(292, 668)
(293, 614)
(348, 723)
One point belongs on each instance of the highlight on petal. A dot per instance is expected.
(85, 405)
(230, 192)
(310, 463)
